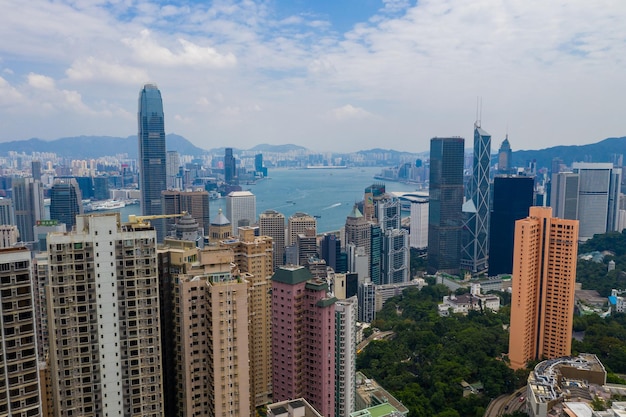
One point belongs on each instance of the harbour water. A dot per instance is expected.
(328, 194)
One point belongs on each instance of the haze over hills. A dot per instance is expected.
(82, 147)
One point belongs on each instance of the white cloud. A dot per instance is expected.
(93, 69)
(9, 95)
(349, 112)
(189, 54)
(41, 82)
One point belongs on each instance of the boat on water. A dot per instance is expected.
(107, 205)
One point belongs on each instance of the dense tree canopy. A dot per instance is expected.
(430, 355)
(595, 275)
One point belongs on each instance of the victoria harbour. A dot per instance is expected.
(328, 194)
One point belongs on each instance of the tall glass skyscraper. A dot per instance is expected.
(152, 161)
(475, 248)
(446, 200)
(65, 201)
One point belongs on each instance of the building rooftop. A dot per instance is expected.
(292, 274)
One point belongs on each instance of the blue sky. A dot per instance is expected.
(329, 75)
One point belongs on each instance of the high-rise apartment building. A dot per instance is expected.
(272, 224)
(28, 205)
(103, 319)
(303, 339)
(152, 160)
(598, 197)
(543, 283)
(20, 386)
(298, 223)
(240, 209)
(254, 256)
(445, 207)
(475, 239)
(346, 315)
(512, 198)
(9, 235)
(211, 336)
(65, 201)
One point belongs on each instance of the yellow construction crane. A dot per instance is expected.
(142, 221)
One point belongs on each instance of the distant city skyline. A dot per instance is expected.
(343, 76)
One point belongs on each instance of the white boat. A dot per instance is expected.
(108, 205)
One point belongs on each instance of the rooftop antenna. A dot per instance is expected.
(479, 111)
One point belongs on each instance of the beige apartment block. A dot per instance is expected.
(254, 256)
(543, 284)
(211, 330)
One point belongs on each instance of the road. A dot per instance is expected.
(373, 336)
(506, 404)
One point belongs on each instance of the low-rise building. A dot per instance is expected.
(464, 303)
(292, 408)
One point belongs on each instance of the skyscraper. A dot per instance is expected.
(505, 157)
(358, 230)
(19, 380)
(564, 195)
(230, 167)
(240, 209)
(512, 197)
(65, 201)
(418, 236)
(598, 197)
(28, 204)
(303, 338)
(543, 283)
(272, 224)
(103, 318)
(475, 247)
(172, 169)
(445, 205)
(152, 160)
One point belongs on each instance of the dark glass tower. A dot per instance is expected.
(65, 201)
(230, 169)
(445, 208)
(152, 167)
(512, 197)
(475, 248)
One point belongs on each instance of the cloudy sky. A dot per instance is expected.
(326, 74)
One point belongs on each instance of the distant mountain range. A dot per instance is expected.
(602, 151)
(83, 147)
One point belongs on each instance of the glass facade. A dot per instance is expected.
(445, 209)
(512, 197)
(152, 161)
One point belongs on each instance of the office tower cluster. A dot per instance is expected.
(590, 193)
